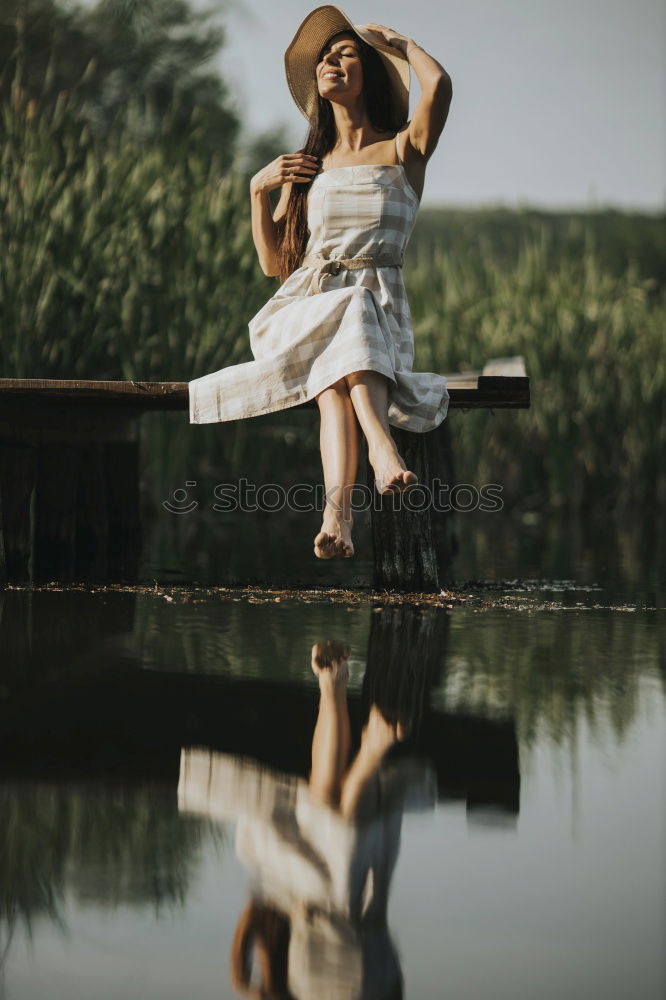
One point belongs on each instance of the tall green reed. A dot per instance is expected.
(594, 348)
(127, 260)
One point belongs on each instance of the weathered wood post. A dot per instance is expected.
(413, 539)
(69, 490)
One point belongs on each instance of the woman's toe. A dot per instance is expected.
(321, 544)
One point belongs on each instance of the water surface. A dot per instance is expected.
(530, 860)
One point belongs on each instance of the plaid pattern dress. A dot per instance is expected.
(318, 328)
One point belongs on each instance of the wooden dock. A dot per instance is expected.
(70, 469)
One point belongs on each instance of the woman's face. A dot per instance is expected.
(339, 70)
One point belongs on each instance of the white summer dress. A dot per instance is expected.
(321, 326)
(331, 875)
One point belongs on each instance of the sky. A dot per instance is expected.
(555, 105)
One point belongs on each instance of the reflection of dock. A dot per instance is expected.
(106, 716)
(131, 724)
(69, 478)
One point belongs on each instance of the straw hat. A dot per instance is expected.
(302, 56)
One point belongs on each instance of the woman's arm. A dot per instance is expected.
(430, 114)
(264, 229)
(283, 171)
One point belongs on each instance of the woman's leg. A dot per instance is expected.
(359, 794)
(339, 443)
(368, 392)
(331, 738)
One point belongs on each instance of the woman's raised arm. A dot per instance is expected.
(430, 114)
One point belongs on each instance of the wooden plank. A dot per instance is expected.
(514, 366)
(465, 391)
(509, 392)
(141, 395)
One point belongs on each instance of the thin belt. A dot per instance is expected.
(332, 265)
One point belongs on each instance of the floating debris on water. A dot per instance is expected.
(514, 595)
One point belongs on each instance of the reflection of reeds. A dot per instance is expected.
(115, 845)
(562, 669)
(554, 676)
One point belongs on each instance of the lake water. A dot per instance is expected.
(511, 844)
(479, 812)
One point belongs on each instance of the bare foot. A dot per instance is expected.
(391, 473)
(330, 662)
(379, 734)
(334, 539)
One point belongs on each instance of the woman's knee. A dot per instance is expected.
(366, 376)
(339, 388)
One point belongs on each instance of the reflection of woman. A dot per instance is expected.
(339, 328)
(321, 852)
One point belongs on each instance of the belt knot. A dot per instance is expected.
(333, 265)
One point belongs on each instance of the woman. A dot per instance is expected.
(321, 853)
(339, 330)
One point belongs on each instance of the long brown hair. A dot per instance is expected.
(262, 923)
(292, 228)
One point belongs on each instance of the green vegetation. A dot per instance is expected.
(118, 262)
(53, 835)
(154, 51)
(591, 330)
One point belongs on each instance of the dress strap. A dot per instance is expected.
(397, 148)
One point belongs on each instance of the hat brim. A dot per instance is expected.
(302, 56)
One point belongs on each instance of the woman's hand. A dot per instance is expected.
(390, 37)
(298, 167)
